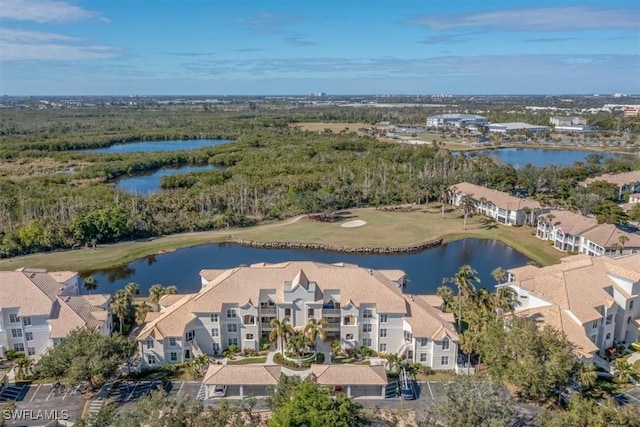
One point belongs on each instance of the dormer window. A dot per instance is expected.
(149, 343)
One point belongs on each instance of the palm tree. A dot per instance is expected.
(500, 274)
(468, 206)
(23, 367)
(446, 294)
(200, 364)
(463, 280)
(155, 293)
(132, 289)
(625, 370)
(622, 239)
(315, 329)
(90, 284)
(587, 376)
(393, 362)
(505, 300)
(281, 331)
(299, 344)
(120, 304)
(141, 313)
(446, 194)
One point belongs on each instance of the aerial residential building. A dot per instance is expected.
(567, 121)
(39, 309)
(514, 127)
(627, 182)
(572, 232)
(362, 307)
(574, 128)
(593, 301)
(632, 112)
(503, 207)
(456, 120)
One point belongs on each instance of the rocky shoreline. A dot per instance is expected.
(336, 248)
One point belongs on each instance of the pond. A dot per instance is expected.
(149, 182)
(425, 270)
(149, 146)
(519, 157)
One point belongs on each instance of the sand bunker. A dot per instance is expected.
(354, 223)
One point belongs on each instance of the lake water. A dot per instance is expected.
(146, 183)
(425, 270)
(149, 146)
(518, 157)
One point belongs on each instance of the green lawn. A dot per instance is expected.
(382, 229)
(248, 361)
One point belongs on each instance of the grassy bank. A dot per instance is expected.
(381, 229)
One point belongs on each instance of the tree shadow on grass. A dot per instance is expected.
(488, 224)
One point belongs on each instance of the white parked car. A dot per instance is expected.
(219, 391)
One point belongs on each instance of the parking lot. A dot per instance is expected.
(630, 397)
(131, 391)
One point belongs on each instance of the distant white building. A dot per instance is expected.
(514, 127)
(627, 182)
(574, 128)
(456, 120)
(567, 121)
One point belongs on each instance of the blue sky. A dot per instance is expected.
(218, 47)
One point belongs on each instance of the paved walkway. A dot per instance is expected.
(634, 358)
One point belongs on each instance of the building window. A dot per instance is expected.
(214, 318)
(383, 333)
(424, 342)
(248, 336)
(609, 336)
(13, 318)
(445, 344)
(216, 347)
(594, 338)
(151, 360)
(382, 347)
(215, 332)
(189, 336)
(16, 333)
(631, 305)
(28, 336)
(310, 312)
(231, 313)
(232, 327)
(366, 342)
(149, 343)
(366, 327)
(367, 313)
(628, 320)
(26, 321)
(349, 337)
(233, 341)
(173, 357)
(18, 347)
(31, 351)
(349, 320)
(423, 357)
(249, 320)
(383, 318)
(287, 312)
(594, 324)
(172, 342)
(444, 360)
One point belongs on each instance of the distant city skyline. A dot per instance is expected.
(196, 47)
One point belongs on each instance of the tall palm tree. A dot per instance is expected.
(155, 293)
(141, 313)
(505, 300)
(315, 328)
(622, 239)
(446, 294)
(90, 284)
(132, 289)
(463, 280)
(468, 206)
(281, 331)
(500, 274)
(446, 194)
(120, 304)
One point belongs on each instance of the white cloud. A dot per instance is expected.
(45, 11)
(23, 45)
(534, 19)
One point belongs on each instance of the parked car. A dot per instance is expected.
(219, 391)
(79, 389)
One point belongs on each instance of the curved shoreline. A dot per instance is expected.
(336, 248)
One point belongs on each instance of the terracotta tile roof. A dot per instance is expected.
(349, 374)
(393, 275)
(169, 300)
(63, 276)
(242, 375)
(560, 320)
(618, 179)
(608, 236)
(73, 312)
(569, 222)
(151, 316)
(210, 274)
(172, 320)
(29, 291)
(498, 198)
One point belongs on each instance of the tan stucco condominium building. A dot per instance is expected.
(38, 309)
(362, 307)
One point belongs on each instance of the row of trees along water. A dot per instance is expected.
(274, 171)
